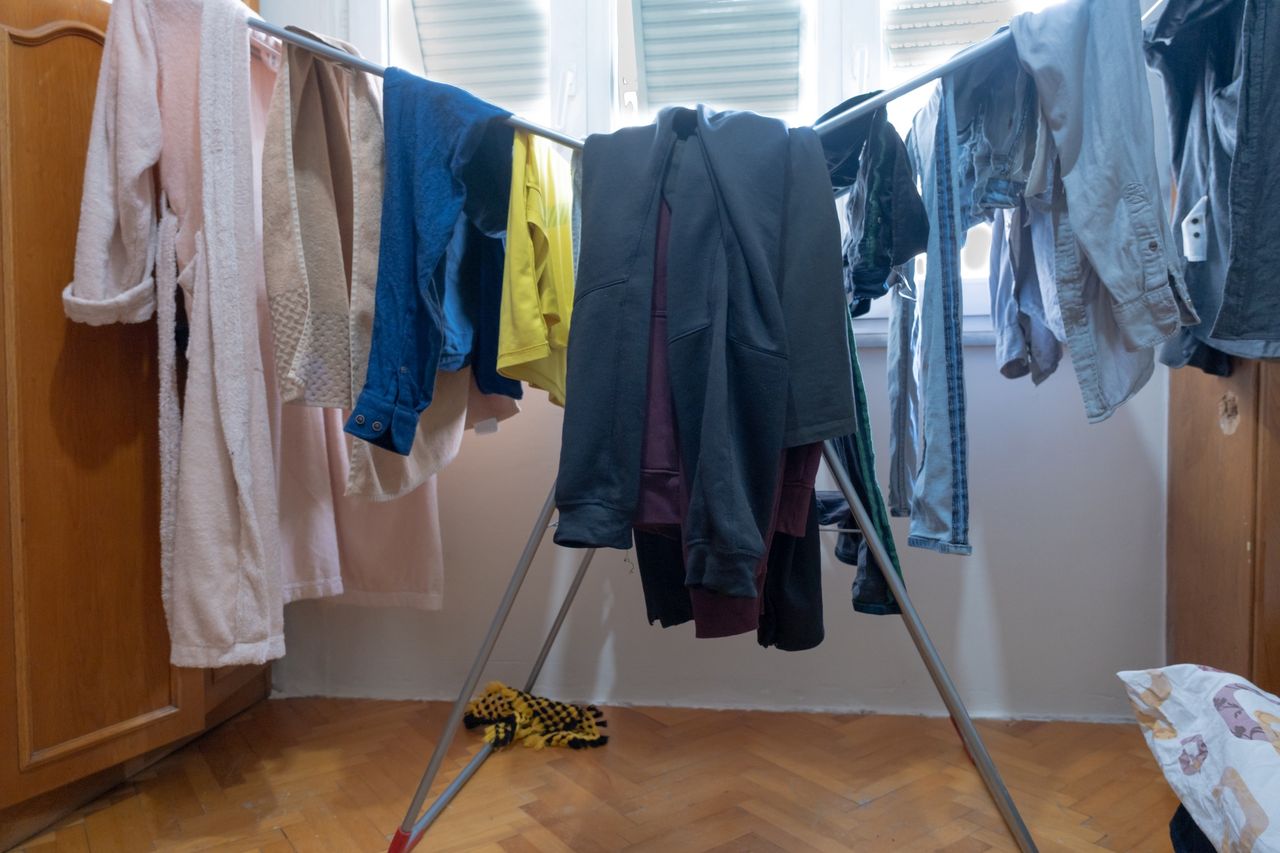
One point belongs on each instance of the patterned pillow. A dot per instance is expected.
(1217, 739)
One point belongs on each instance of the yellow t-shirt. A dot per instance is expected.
(537, 276)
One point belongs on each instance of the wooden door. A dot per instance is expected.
(85, 681)
(1266, 585)
(1213, 482)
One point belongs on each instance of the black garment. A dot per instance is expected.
(791, 605)
(1251, 300)
(842, 146)
(888, 224)
(1184, 349)
(1186, 835)
(758, 356)
(661, 563)
(871, 593)
(791, 616)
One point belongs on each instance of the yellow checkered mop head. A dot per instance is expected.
(508, 715)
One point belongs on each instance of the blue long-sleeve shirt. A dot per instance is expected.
(433, 133)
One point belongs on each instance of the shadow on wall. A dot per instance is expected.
(1064, 589)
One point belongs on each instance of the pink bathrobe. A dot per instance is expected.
(170, 201)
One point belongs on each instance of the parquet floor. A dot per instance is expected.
(336, 775)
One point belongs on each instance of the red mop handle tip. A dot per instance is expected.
(400, 842)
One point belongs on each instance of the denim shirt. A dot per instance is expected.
(1086, 58)
(1119, 280)
(434, 133)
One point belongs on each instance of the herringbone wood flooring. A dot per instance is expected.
(336, 775)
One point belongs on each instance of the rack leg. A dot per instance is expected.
(929, 654)
(477, 668)
(446, 796)
(413, 827)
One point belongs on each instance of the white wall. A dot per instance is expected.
(1066, 585)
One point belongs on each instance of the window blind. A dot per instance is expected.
(496, 49)
(926, 32)
(741, 54)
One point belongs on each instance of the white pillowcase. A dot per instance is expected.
(1217, 739)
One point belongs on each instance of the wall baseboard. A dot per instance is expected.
(852, 711)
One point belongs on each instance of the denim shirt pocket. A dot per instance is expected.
(1151, 314)
(1147, 237)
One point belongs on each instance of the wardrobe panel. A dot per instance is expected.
(1266, 640)
(84, 650)
(1213, 463)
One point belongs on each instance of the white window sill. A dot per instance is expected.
(873, 332)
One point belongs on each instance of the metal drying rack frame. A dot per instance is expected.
(416, 822)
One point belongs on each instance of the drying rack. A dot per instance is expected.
(416, 822)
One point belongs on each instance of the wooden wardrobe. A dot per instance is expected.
(87, 695)
(1224, 521)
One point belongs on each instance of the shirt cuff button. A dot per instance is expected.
(360, 420)
(377, 426)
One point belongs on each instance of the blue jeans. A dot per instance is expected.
(926, 359)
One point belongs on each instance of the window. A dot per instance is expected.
(744, 54)
(497, 49)
(527, 56)
(919, 34)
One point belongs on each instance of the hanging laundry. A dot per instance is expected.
(972, 147)
(1220, 64)
(1116, 273)
(998, 133)
(856, 452)
(791, 603)
(471, 272)
(311, 183)
(787, 609)
(887, 222)
(322, 193)
(664, 503)
(930, 469)
(171, 201)
(537, 278)
(575, 172)
(471, 279)
(887, 227)
(756, 361)
(1028, 338)
(322, 209)
(448, 156)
